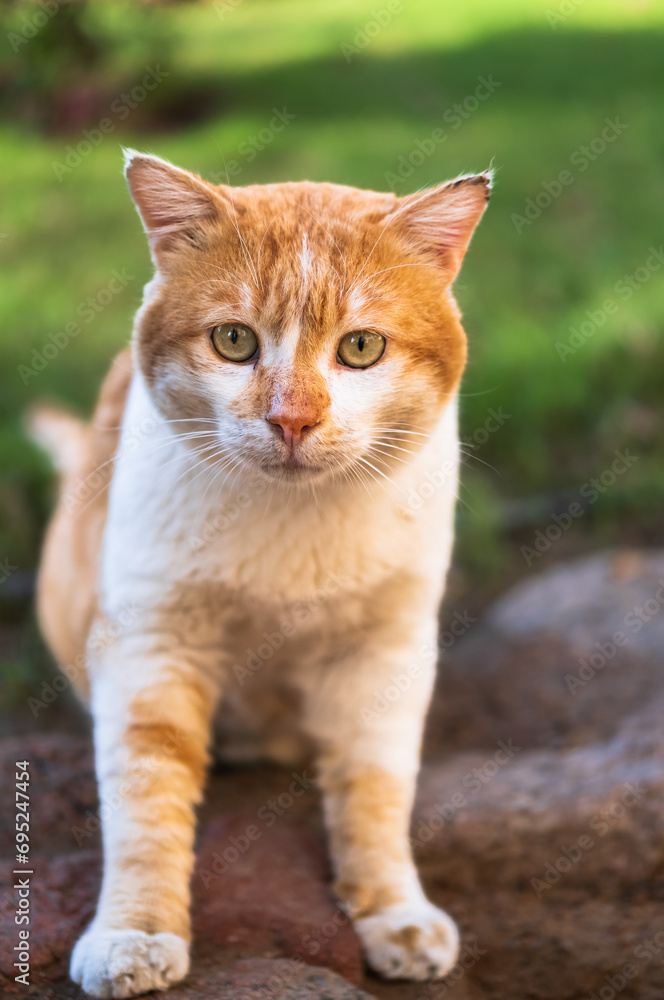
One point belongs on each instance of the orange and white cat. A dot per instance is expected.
(291, 381)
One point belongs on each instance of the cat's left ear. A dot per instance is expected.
(441, 221)
(171, 202)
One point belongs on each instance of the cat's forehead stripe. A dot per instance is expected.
(305, 258)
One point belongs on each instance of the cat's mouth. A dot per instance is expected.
(293, 467)
(296, 465)
(307, 459)
(294, 460)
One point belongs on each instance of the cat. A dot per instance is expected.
(260, 451)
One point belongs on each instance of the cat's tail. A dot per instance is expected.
(61, 434)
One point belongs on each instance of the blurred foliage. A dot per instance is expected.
(366, 101)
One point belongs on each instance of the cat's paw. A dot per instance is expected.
(410, 941)
(119, 964)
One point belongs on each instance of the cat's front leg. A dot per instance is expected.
(368, 763)
(152, 707)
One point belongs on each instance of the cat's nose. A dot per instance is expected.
(293, 423)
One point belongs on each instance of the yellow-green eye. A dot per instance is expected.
(360, 349)
(234, 341)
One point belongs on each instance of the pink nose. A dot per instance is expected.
(292, 422)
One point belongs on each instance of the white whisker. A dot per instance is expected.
(467, 454)
(373, 449)
(375, 274)
(365, 461)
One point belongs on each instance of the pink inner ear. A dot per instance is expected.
(441, 222)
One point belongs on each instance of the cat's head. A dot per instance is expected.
(308, 329)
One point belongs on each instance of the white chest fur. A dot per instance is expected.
(168, 523)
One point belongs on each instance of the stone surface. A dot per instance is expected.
(591, 598)
(539, 822)
(271, 894)
(543, 664)
(246, 979)
(63, 790)
(270, 898)
(263, 979)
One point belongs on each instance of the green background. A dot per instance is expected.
(364, 95)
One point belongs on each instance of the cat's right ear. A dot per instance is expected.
(171, 202)
(440, 222)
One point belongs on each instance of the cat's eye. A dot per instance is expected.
(234, 341)
(360, 349)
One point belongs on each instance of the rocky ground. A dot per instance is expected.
(539, 822)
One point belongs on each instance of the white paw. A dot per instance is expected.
(110, 963)
(410, 941)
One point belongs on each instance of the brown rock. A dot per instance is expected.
(266, 888)
(266, 979)
(63, 792)
(589, 600)
(544, 664)
(539, 822)
(499, 818)
(272, 900)
(551, 855)
(63, 893)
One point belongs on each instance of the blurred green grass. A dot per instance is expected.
(521, 292)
